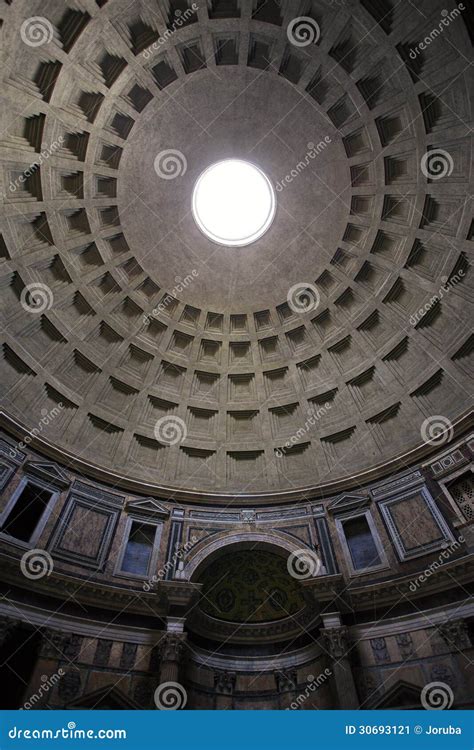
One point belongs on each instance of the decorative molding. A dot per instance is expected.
(97, 493)
(75, 502)
(387, 489)
(447, 463)
(336, 641)
(11, 451)
(224, 682)
(385, 507)
(348, 502)
(49, 473)
(148, 506)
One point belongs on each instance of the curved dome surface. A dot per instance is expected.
(338, 341)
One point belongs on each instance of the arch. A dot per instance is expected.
(202, 554)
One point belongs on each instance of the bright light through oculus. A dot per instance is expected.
(233, 203)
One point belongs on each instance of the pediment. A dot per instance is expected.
(48, 472)
(106, 698)
(148, 506)
(348, 501)
(401, 695)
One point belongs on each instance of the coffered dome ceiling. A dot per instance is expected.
(133, 342)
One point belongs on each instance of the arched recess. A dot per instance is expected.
(203, 553)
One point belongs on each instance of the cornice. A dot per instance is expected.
(310, 492)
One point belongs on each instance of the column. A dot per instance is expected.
(336, 642)
(224, 684)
